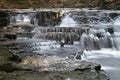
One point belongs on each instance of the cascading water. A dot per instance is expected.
(98, 35)
(107, 37)
(117, 33)
(96, 40)
(102, 40)
(117, 21)
(67, 21)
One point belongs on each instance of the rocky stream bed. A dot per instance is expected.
(56, 68)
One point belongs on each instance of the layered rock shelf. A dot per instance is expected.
(47, 68)
(31, 44)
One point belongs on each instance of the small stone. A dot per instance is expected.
(98, 68)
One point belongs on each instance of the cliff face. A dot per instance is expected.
(102, 4)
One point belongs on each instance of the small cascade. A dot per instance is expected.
(36, 46)
(69, 34)
(36, 17)
(81, 55)
(67, 21)
(98, 39)
(48, 18)
(116, 37)
(84, 56)
(72, 28)
(23, 18)
(117, 21)
(4, 18)
(93, 17)
(70, 25)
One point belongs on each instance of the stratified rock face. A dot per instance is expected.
(4, 18)
(48, 18)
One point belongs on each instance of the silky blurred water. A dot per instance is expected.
(104, 50)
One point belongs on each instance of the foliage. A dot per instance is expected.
(59, 3)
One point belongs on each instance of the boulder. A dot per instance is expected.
(4, 18)
(4, 52)
(5, 63)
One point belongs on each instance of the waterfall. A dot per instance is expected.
(96, 40)
(116, 37)
(97, 37)
(117, 22)
(67, 21)
(28, 18)
(116, 40)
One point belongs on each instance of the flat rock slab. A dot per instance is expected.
(50, 68)
(76, 75)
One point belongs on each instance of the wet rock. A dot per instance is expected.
(98, 67)
(8, 67)
(5, 63)
(5, 52)
(4, 18)
(65, 75)
(98, 35)
(48, 18)
(114, 15)
(111, 30)
(11, 36)
(84, 69)
(49, 63)
(48, 68)
(15, 58)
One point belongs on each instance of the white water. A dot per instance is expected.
(108, 57)
(117, 21)
(117, 33)
(67, 21)
(109, 60)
